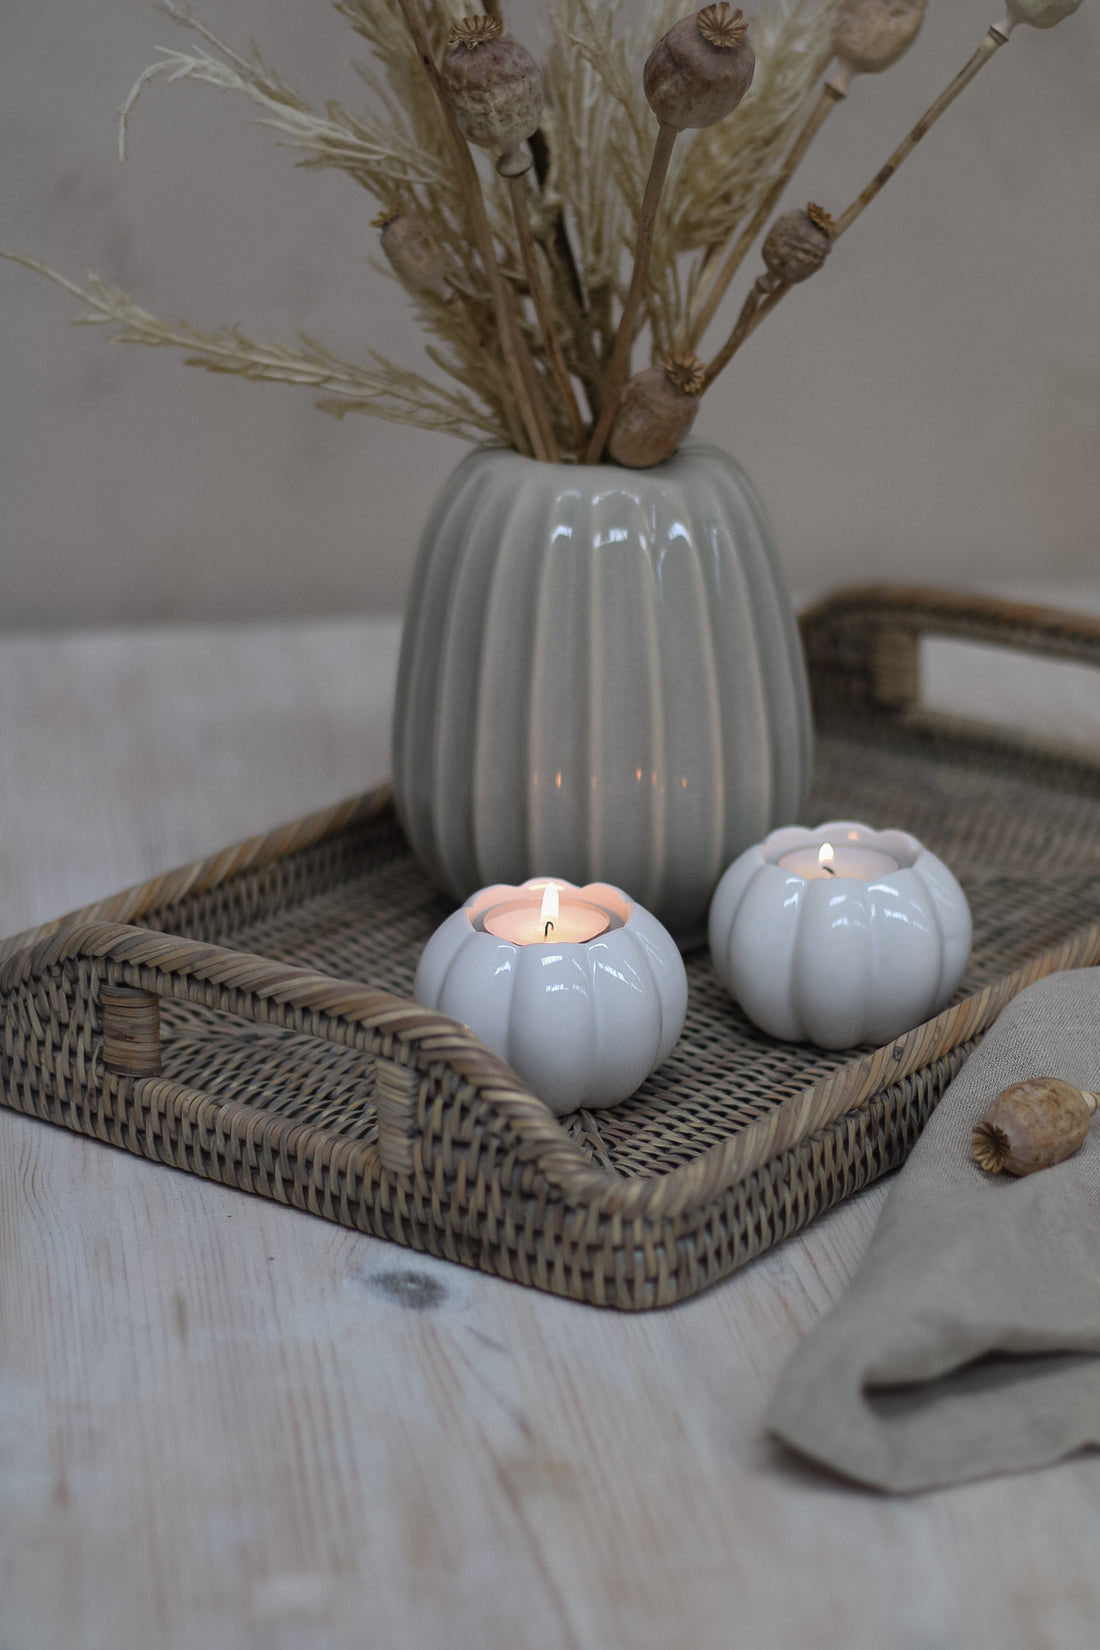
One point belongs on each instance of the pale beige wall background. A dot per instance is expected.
(928, 408)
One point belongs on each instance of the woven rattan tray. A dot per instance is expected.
(247, 1018)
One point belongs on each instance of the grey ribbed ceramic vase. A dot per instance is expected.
(600, 679)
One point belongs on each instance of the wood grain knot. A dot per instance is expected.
(415, 1291)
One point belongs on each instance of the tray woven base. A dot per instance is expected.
(712, 1161)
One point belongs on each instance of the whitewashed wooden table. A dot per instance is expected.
(228, 1425)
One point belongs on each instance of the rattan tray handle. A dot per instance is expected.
(117, 977)
(132, 1048)
(865, 643)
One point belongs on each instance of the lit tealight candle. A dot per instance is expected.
(850, 858)
(579, 989)
(840, 935)
(551, 920)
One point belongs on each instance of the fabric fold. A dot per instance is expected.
(969, 1341)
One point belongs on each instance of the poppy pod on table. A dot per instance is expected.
(1032, 1126)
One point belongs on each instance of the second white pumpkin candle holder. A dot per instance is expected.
(581, 990)
(840, 935)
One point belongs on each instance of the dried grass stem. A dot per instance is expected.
(383, 389)
(544, 311)
(993, 41)
(706, 302)
(620, 358)
(519, 407)
(749, 320)
(741, 329)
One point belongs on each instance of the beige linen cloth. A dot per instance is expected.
(969, 1341)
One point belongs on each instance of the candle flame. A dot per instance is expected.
(825, 853)
(549, 903)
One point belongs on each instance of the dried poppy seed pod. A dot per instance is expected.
(494, 88)
(700, 70)
(1040, 14)
(797, 244)
(412, 251)
(1033, 1125)
(872, 34)
(656, 412)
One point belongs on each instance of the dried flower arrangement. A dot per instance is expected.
(525, 287)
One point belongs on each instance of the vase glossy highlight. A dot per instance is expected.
(600, 671)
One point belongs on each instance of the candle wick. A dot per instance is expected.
(828, 869)
(546, 930)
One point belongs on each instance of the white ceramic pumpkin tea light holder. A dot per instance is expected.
(840, 935)
(580, 990)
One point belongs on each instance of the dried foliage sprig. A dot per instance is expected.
(379, 155)
(521, 405)
(996, 37)
(754, 312)
(384, 389)
(530, 295)
(696, 75)
(736, 169)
